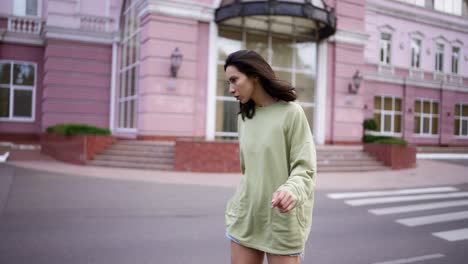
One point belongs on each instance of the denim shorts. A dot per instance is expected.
(228, 236)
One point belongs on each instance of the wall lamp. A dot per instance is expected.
(176, 61)
(356, 82)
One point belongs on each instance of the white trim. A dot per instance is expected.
(392, 113)
(349, 37)
(431, 116)
(181, 9)
(321, 93)
(78, 35)
(428, 17)
(226, 134)
(12, 88)
(113, 87)
(210, 125)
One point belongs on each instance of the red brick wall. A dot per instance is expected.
(74, 149)
(396, 157)
(207, 156)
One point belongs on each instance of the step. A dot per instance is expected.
(133, 165)
(145, 143)
(136, 159)
(136, 153)
(142, 147)
(349, 163)
(352, 169)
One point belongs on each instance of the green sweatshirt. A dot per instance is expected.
(276, 152)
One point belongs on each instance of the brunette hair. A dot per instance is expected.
(253, 65)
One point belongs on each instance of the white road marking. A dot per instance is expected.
(453, 235)
(348, 195)
(441, 156)
(358, 202)
(432, 219)
(410, 260)
(417, 207)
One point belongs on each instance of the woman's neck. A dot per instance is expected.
(262, 98)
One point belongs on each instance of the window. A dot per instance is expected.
(453, 7)
(385, 48)
(439, 57)
(416, 53)
(129, 67)
(26, 7)
(461, 120)
(414, 2)
(17, 91)
(426, 117)
(387, 114)
(455, 59)
(292, 57)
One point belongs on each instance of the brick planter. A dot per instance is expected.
(394, 156)
(206, 156)
(74, 149)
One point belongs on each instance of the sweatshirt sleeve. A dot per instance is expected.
(302, 158)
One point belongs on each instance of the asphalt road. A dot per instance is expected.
(56, 218)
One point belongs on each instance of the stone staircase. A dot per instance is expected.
(346, 159)
(448, 150)
(152, 155)
(158, 155)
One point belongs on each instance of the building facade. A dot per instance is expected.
(108, 63)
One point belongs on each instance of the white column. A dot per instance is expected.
(321, 93)
(113, 86)
(211, 93)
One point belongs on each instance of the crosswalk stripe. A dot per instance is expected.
(358, 202)
(453, 235)
(410, 260)
(348, 195)
(417, 207)
(432, 219)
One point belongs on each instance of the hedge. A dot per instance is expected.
(77, 129)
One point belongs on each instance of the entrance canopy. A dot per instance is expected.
(307, 17)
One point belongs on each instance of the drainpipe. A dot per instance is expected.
(403, 125)
(332, 127)
(441, 95)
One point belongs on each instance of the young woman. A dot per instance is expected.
(271, 211)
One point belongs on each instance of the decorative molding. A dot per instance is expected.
(414, 82)
(19, 38)
(408, 14)
(349, 37)
(386, 29)
(441, 39)
(457, 42)
(79, 35)
(417, 34)
(178, 8)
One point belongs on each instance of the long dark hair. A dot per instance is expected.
(253, 65)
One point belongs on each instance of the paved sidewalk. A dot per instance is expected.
(428, 173)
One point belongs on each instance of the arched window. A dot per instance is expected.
(129, 66)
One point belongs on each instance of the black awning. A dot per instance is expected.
(322, 18)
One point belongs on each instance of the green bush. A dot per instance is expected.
(383, 140)
(369, 124)
(77, 129)
(391, 141)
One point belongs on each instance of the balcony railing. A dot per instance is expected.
(95, 23)
(28, 25)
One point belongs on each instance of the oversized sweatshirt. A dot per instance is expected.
(277, 152)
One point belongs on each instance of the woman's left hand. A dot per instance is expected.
(284, 200)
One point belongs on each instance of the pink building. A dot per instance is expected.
(108, 63)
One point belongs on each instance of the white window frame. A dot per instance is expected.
(386, 45)
(437, 63)
(390, 113)
(291, 70)
(414, 55)
(15, 8)
(13, 88)
(453, 7)
(431, 115)
(461, 118)
(414, 2)
(124, 67)
(459, 58)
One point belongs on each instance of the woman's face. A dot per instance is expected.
(240, 86)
